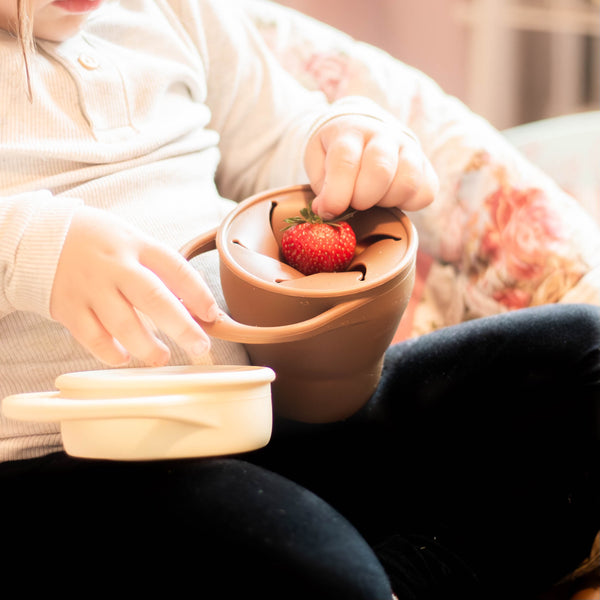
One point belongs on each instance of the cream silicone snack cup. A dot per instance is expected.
(155, 413)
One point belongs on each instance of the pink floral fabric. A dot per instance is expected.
(516, 240)
(502, 234)
(522, 247)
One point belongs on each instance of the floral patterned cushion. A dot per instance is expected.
(502, 234)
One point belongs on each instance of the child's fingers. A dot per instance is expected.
(121, 321)
(148, 294)
(183, 281)
(110, 278)
(378, 169)
(93, 336)
(342, 163)
(415, 184)
(361, 162)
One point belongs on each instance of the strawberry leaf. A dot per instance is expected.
(308, 216)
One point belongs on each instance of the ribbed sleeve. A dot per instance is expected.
(32, 231)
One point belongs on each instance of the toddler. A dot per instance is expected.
(110, 168)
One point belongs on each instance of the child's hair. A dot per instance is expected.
(24, 34)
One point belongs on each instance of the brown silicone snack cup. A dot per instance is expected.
(324, 335)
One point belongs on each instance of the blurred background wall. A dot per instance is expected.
(512, 61)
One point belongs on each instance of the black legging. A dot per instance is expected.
(472, 472)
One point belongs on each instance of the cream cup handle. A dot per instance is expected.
(51, 407)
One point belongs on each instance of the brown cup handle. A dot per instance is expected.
(203, 243)
(226, 328)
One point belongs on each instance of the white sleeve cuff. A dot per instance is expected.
(33, 229)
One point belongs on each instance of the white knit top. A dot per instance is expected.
(138, 114)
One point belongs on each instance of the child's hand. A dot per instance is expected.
(108, 271)
(359, 162)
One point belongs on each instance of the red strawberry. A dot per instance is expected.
(312, 245)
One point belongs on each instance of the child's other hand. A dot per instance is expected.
(360, 162)
(107, 272)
